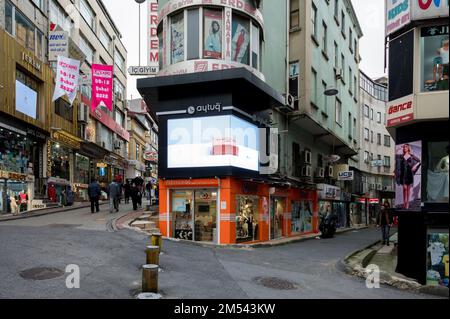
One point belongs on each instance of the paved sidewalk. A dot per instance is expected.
(47, 211)
(385, 258)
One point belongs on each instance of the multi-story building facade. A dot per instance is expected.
(254, 52)
(417, 118)
(74, 143)
(323, 57)
(374, 177)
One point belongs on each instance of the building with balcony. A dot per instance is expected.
(417, 118)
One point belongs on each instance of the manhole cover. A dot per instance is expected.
(275, 283)
(41, 273)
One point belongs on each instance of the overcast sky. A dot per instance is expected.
(370, 15)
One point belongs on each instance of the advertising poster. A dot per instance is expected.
(428, 9)
(177, 38)
(240, 41)
(102, 86)
(437, 259)
(408, 176)
(58, 45)
(214, 141)
(213, 34)
(67, 73)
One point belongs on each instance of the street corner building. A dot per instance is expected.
(244, 155)
(417, 118)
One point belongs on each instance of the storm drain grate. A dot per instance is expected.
(41, 273)
(275, 283)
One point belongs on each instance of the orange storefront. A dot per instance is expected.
(230, 210)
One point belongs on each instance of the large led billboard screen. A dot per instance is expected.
(214, 141)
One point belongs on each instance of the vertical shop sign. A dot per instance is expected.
(102, 86)
(67, 73)
(153, 42)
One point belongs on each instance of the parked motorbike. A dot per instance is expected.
(328, 226)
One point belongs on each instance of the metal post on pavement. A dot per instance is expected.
(157, 240)
(150, 278)
(152, 255)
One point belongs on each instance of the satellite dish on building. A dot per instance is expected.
(331, 158)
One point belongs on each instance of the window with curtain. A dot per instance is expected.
(105, 39)
(119, 60)
(25, 31)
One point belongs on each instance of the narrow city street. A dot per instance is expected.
(110, 263)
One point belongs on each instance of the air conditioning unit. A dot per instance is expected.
(117, 145)
(83, 113)
(306, 171)
(338, 73)
(330, 171)
(307, 157)
(289, 101)
(320, 172)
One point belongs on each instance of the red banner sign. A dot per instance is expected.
(102, 86)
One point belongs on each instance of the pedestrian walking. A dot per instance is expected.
(385, 221)
(134, 193)
(94, 193)
(114, 193)
(127, 189)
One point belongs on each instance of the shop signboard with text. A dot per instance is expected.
(428, 9)
(102, 86)
(398, 14)
(400, 111)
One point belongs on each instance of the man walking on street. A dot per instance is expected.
(94, 193)
(114, 193)
(385, 222)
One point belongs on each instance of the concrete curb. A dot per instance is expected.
(37, 213)
(356, 262)
(284, 241)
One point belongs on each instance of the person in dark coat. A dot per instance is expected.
(408, 165)
(127, 189)
(94, 193)
(135, 195)
(385, 221)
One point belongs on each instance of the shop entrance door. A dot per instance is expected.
(205, 215)
(277, 208)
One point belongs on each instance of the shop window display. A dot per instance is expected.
(15, 151)
(277, 209)
(16, 198)
(438, 172)
(302, 216)
(437, 258)
(60, 157)
(247, 216)
(182, 214)
(205, 215)
(434, 44)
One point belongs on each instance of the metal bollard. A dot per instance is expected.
(152, 253)
(150, 278)
(157, 240)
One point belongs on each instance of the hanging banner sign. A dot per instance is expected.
(102, 86)
(67, 73)
(398, 14)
